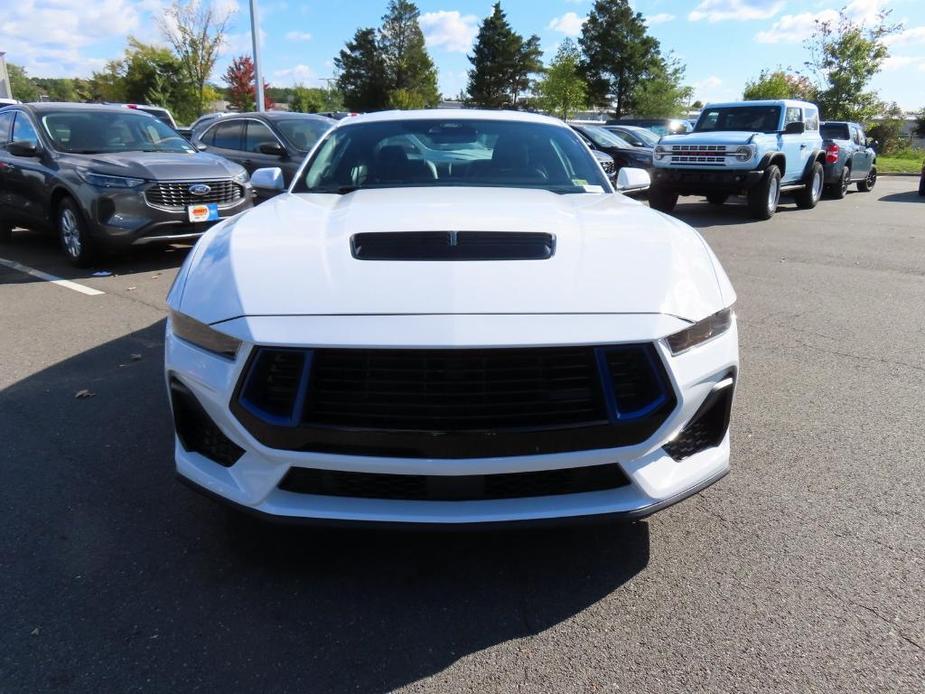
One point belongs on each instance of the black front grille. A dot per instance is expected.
(177, 193)
(608, 166)
(451, 390)
(453, 245)
(453, 403)
(514, 485)
(196, 430)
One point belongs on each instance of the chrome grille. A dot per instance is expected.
(176, 194)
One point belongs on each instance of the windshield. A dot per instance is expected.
(448, 152)
(743, 118)
(639, 137)
(303, 133)
(104, 132)
(604, 138)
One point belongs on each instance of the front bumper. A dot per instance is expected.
(123, 218)
(703, 181)
(655, 479)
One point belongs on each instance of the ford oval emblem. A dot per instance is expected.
(199, 189)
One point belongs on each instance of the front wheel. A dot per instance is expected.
(717, 198)
(868, 183)
(809, 195)
(662, 199)
(764, 197)
(72, 232)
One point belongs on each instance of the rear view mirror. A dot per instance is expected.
(633, 179)
(268, 181)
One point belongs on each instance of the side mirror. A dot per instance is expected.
(200, 147)
(22, 148)
(795, 129)
(268, 181)
(630, 179)
(274, 148)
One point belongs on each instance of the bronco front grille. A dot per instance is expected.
(176, 194)
(700, 154)
(454, 403)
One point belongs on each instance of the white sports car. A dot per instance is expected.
(451, 317)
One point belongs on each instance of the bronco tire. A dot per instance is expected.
(839, 189)
(808, 196)
(763, 198)
(717, 198)
(868, 183)
(662, 199)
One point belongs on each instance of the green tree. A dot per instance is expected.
(888, 130)
(361, 72)
(846, 55)
(662, 94)
(108, 85)
(619, 54)
(562, 90)
(61, 89)
(195, 30)
(410, 71)
(502, 63)
(920, 124)
(779, 84)
(306, 100)
(21, 86)
(697, 105)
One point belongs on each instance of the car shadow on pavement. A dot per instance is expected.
(908, 196)
(42, 252)
(115, 577)
(697, 212)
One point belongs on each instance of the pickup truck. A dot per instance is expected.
(848, 158)
(759, 149)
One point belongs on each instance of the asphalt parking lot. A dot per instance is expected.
(803, 570)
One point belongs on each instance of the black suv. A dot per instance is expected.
(106, 177)
(264, 140)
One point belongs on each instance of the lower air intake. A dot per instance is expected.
(707, 427)
(196, 430)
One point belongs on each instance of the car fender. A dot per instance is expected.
(776, 157)
(818, 155)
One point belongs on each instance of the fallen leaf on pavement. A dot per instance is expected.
(83, 394)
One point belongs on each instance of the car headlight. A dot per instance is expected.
(203, 336)
(108, 181)
(241, 177)
(745, 152)
(700, 332)
(660, 151)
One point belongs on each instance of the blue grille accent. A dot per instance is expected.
(632, 380)
(278, 380)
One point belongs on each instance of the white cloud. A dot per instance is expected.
(898, 62)
(907, 37)
(737, 10)
(712, 88)
(659, 18)
(793, 28)
(298, 36)
(297, 74)
(569, 24)
(450, 30)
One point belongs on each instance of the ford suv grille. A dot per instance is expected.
(177, 195)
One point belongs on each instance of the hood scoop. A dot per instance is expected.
(453, 245)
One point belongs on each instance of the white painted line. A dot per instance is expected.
(67, 284)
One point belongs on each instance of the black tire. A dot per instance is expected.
(662, 199)
(922, 185)
(764, 197)
(868, 183)
(839, 189)
(808, 196)
(6, 232)
(717, 198)
(72, 234)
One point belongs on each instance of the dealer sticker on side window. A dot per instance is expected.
(203, 213)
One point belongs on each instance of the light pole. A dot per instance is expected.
(255, 37)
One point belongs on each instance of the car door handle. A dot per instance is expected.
(803, 146)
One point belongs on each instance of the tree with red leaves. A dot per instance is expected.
(242, 86)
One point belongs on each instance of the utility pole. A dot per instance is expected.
(258, 62)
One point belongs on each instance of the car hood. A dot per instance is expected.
(723, 137)
(292, 256)
(161, 166)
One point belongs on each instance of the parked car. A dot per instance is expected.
(622, 152)
(159, 112)
(849, 158)
(258, 140)
(396, 339)
(659, 126)
(635, 135)
(606, 162)
(759, 149)
(200, 124)
(106, 177)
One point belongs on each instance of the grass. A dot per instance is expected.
(906, 160)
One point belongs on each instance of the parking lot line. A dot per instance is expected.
(67, 284)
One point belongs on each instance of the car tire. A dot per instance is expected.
(808, 196)
(764, 197)
(840, 189)
(6, 232)
(868, 183)
(662, 199)
(72, 234)
(922, 185)
(717, 198)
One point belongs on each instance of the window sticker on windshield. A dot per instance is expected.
(593, 189)
(579, 182)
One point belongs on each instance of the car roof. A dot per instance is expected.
(279, 115)
(761, 102)
(47, 106)
(450, 114)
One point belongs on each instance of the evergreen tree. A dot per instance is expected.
(362, 73)
(618, 54)
(411, 73)
(502, 63)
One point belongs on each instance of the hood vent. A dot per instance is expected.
(453, 245)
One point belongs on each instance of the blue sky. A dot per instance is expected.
(722, 42)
